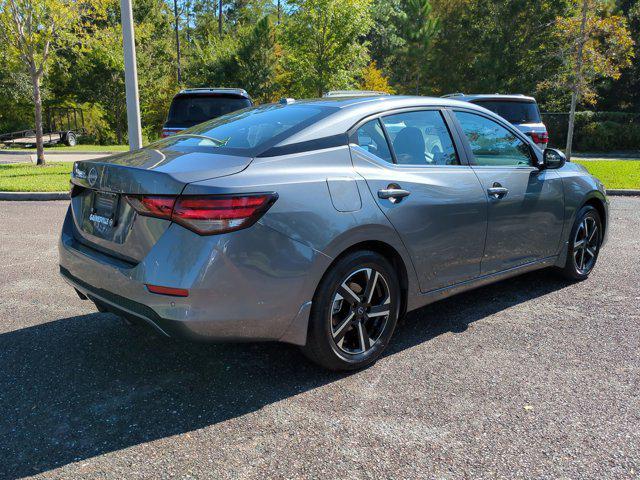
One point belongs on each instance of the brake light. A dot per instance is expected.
(167, 132)
(206, 215)
(153, 206)
(540, 137)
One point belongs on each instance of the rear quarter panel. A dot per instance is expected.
(305, 210)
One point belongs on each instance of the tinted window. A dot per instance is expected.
(371, 138)
(250, 129)
(189, 110)
(420, 138)
(491, 143)
(513, 112)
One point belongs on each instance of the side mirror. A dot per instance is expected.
(553, 158)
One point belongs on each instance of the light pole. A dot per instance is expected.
(130, 76)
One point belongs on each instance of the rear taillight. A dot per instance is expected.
(540, 137)
(206, 215)
(167, 132)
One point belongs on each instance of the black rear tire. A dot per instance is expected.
(345, 334)
(584, 244)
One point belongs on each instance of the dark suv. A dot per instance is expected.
(196, 105)
(519, 110)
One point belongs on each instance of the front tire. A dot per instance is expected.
(584, 244)
(354, 312)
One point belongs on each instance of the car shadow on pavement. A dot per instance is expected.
(83, 386)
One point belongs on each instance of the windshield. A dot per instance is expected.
(189, 110)
(513, 112)
(247, 131)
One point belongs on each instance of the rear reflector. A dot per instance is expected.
(206, 215)
(174, 292)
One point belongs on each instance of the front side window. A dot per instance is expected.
(420, 138)
(370, 137)
(491, 143)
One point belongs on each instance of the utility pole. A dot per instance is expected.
(220, 17)
(175, 14)
(577, 86)
(130, 76)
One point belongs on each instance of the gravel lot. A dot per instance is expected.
(529, 378)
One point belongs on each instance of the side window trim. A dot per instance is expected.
(388, 139)
(467, 146)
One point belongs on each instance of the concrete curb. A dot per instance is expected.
(33, 196)
(46, 196)
(623, 193)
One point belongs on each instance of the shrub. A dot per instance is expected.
(596, 131)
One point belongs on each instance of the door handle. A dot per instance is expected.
(497, 191)
(393, 194)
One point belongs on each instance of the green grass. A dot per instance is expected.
(77, 148)
(615, 173)
(27, 177)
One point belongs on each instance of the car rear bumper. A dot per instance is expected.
(254, 284)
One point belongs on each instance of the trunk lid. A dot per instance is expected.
(103, 218)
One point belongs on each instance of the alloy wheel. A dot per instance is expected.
(360, 310)
(585, 245)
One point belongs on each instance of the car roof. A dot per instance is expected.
(239, 92)
(350, 110)
(518, 97)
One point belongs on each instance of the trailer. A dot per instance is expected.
(60, 125)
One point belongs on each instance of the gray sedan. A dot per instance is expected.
(321, 222)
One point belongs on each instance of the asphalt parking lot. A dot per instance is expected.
(529, 378)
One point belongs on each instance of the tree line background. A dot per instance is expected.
(303, 48)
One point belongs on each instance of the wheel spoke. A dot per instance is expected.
(591, 252)
(341, 330)
(593, 235)
(363, 338)
(372, 280)
(585, 225)
(577, 245)
(348, 295)
(378, 311)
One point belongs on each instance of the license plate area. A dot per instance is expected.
(104, 210)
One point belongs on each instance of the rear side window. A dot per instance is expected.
(491, 143)
(370, 137)
(420, 138)
(189, 110)
(513, 112)
(249, 130)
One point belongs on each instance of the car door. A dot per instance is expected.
(433, 199)
(526, 204)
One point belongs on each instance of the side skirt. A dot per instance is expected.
(445, 292)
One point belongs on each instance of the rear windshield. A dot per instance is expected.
(250, 131)
(513, 112)
(189, 110)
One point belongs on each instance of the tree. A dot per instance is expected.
(419, 27)
(592, 44)
(257, 61)
(32, 31)
(373, 79)
(324, 44)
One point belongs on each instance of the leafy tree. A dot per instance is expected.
(591, 44)
(323, 42)
(32, 31)
(257, 61)
(385, 38)
(373, 79)
(419, 27)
